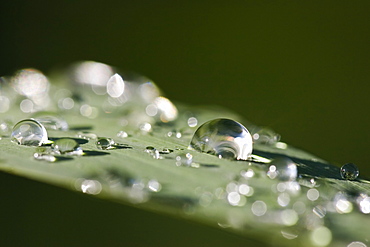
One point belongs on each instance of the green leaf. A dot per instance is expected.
(241, 197)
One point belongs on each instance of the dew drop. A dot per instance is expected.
(66, 146)
(283, 168)
(45, 157)
(153, 152)
(192, 122)
(184, 159)
(105, 143)
(115, 86)
(29, 132)
(122, 134)
(349, 171)
(224, 138)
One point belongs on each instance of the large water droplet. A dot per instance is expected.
(29, 132)
(225, 138)
(349, 171)
(67, 146)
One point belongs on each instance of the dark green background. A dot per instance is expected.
(299, 67)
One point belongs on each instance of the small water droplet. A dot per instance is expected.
(174, 133)
(46, 157)
(154, 185)
(66, 146)
(122, 134)
(184, 159)
(224, 138)
(265, 136)
(115, 86)
(283, 168)
(192, 122)
(86, 136)
(349, 171)
(153, 152)
(29, 132)
(105, 143)
(163, 109)
(51, 120)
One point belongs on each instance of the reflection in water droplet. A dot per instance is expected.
(349, 171)
(174, 133)
(225, 138)
(283, 168)
(29, 132)
(105, 143)
(51, 120)
(66, 146)
(321, 236)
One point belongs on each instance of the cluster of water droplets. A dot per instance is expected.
(99, 90)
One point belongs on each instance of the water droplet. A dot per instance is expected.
(224, 138)
(163, 109)
(51, 120)
(154, 185)
(357, 244)
(29, 132)
(153, 152)
(349, 171)
(321, 236)
(122, 134)
(115, 86)
(46, 157)
(259, 208)
(192, 122)
(265, 136)
(283, 168)
(66, 146)
(145, 127)
(313, 194)
(86, 136)
(105, 143)
(363, 202)
(184, 159)
(87, 186)
(174, 133)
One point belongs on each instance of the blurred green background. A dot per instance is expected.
(301, 68)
